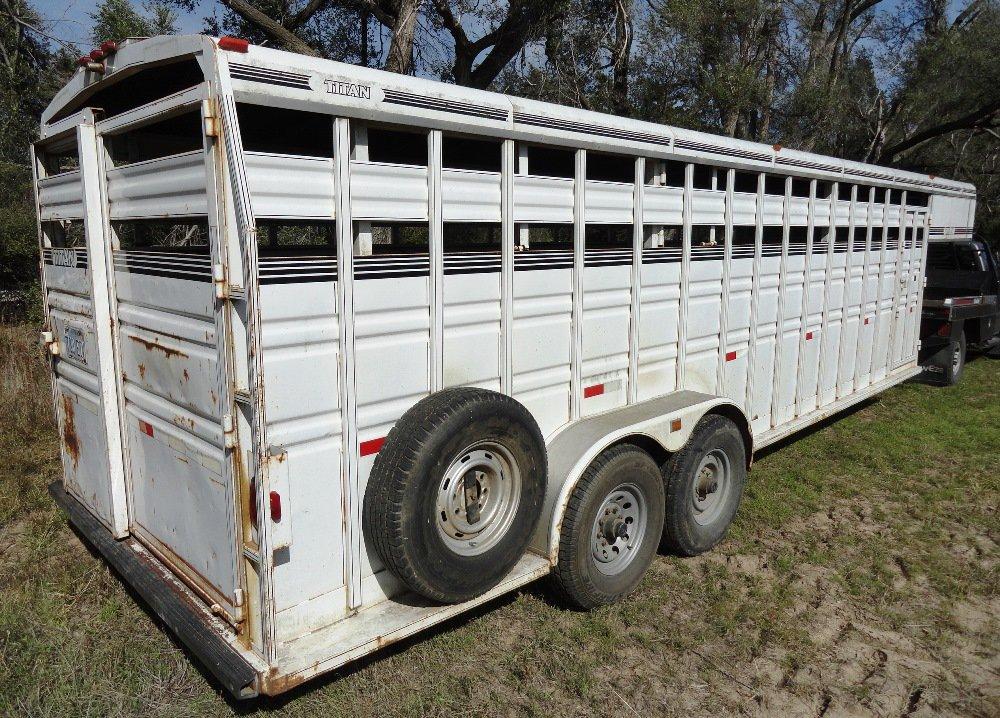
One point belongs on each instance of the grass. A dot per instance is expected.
(860, 576)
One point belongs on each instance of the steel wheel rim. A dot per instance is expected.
(619, 529)
(712, 484)
(477, 498)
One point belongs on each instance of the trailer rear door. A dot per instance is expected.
(73, 265)
(176, 420)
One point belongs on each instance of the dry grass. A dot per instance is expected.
(861, 577)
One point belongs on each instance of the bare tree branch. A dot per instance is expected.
(980, 118)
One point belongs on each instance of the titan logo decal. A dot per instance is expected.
(64, 257)
(350, 89)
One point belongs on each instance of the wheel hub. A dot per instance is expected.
(619, 529)
(711, 486)
(477, 498)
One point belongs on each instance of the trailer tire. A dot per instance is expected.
(611, 528)
(704, 484)
(454, 446)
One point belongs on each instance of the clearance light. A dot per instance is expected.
(84, 61)
(234, 44)
(109, 47)
(96, 55)
(275, 506)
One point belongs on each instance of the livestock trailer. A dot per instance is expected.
(338, 354)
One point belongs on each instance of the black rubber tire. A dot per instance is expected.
(400, 499)
(575, 576)
(682, 534)
(950, 374)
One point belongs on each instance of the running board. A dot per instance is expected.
(181, 611)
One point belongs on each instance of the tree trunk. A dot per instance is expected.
(404, 25)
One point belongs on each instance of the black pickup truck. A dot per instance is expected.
(960, 310)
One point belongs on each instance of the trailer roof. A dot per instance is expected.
(300, 81)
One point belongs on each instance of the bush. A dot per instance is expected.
(19, 283)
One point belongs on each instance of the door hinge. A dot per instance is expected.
(229, 431)
(219, 280)
(209, 119)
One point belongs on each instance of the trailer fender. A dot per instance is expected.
(668, 421)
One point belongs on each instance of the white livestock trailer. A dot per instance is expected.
(339, 354)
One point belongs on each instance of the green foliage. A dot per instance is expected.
(119, 19)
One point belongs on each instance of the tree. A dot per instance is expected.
(119, 19)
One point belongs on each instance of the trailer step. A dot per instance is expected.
(191, 623)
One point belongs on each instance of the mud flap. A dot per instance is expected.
(187, 620)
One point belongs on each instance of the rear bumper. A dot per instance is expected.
(183, 613)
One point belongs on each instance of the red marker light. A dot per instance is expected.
(730, 356)
(84, 61)
(234, 44)
(275, 502)
(809, 335)
(109, 47)
(96, 55)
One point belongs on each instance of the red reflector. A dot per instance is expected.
(675, 424)
(866, 320)
(372, 446)
(730, 356)
(809, 335)
(595, 390)
(234, 44)
(96, 55)
(275, 501)
(109, 47)
(944, 330)
(145, 427)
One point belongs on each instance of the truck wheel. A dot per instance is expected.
(952, 361)
(610, 529)
(456, 492)
(704, 485)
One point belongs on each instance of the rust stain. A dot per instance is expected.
(142, 371)
(155, 346)
(70, 439)
(215, 399)
(186, 377)
(183, 422)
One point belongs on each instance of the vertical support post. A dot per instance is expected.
(435, 248)
(831, 237)
(865, 278)
(682, 308)
(507, 267)
(848, 270)
(345, 310)
(758, 251)
(779, 336)
(727, 261)
(638, 232)
(102, 293)
(806, 288)
(579, 237)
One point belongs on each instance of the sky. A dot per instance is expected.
(70, 21)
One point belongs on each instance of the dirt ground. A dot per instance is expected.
(860, 578)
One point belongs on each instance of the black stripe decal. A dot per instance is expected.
(539, 121)
(270, 77)
(398, 97)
